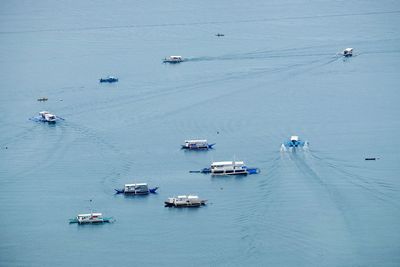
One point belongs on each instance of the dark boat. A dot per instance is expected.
(109, 79)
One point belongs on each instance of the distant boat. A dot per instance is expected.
(109, 79)
(220, 34)
(185, 201)
(90, 218)
(225, 168)
(137, 189)
(197, 145)
(48, 117)
(173, 59)
(348, 52)
(294, 142)
(42, 99)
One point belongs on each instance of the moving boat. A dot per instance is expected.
(109, 79)
(220, 34)
(137, 189)
(185, 201)
(173, 59)
(228, 168)
(47, 117)
(294, 142)
(348, 52)
(42, 99)
(93, 217)
(197, 145)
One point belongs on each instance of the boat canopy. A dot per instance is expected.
(349, 49)
(90, 214)
(196, 141)
(134, 185)
(176, 57)
(294, 138)
(226, 163)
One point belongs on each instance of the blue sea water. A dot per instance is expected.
(275, 73)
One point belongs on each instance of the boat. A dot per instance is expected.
(228, 168)
(137, 189)
(42, 99)
(294, 142)
(197, 145)
(173, 59)
(185, 201)
(93, 217)
(47, 117)
(220, 34)
(109, 79)
(348, 52)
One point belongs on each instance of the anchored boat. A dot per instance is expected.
(109, 79)
(197, 145)
(137, 189)
(173, 59)
(220, 168)
(185, 201)
(46, 116)
(88, 218)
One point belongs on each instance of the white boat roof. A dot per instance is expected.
(43, 112)
(294, 138)
(227, 163)
(348, 49)
(183, 196)
(193, 197)
(90, 214)
(196, 141)
(175, 56)
(136, 184)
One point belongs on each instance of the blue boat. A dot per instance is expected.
(226, 168)
(197, 145)
(294, 142)
(136, 189)
(109, 79)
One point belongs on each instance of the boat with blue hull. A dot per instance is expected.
(45, 116)
(136, 189)
(109, 79)
(226, 168)
(188, 201)
(294, 142)
(197, 144)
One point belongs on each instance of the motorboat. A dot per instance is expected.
(109, 79)
(220, 34)
(185, 201)
(137, 189)
(228, 168)
(173, 59)
(42, 99)
(47, 117)
(93, 217)
(348, 52)
(294, 142)
(197, 145)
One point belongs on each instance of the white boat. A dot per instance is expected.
(196, 144)
(185, 201)
(137, 189)
(228, 168)
(348, 52)
(173, 59)
(47, 116)
(93, 217)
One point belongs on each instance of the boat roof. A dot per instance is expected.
(183, 196)
(348, 49)
(196, 141)
(294, 138)
(175, 56)
(193, 197)
(227, 163)
(90, 214)
(136, 184)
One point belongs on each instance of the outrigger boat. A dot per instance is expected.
(220, 168)
(197, 145)
(173, 59)
(348, 52)
(185, 201)
(137, 189)
(90, 218)
(294, 142)
(47, 117)
(109, 79)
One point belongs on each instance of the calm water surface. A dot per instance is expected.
(275, 73)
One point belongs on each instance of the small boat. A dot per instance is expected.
(220, 34)
(42, 99)
(47, 117)
(109, 79)
(173, 59)
(294, 142)
(197, 145)
(185, 201)
(137, 189)
(90, 218)
(348, 52)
